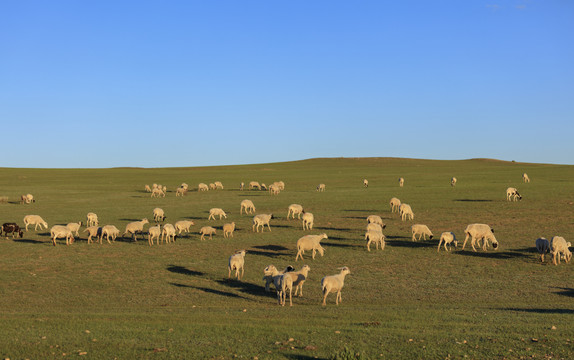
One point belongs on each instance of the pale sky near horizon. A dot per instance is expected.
(194, 83)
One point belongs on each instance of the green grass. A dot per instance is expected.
(128, 300)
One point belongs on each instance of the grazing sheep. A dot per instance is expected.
(512, 194)
(421, 230)
(406, 212)
(168, 233)
(158, 215)
(27, 198)
(135, 227)
(559, 247)
(212, 186)
(93, 231)
(254, 185)
(183, 225)
(11, 228)
(147, 188)
(298, 278)
(158, 192)
(59, 231)
(207, 230)
(262, 220)
(216, 212)
(263, 186)
(271, 272)
(453, 181)
(154, 232)
(218, 185)
(525, 178)
(375, 219)
(241, 186)
(180, 191)
(374, 227)
(35, 220)
(479, 232)
(202, 187)
(75, 227)
(321, 187)
(237, 262)
(308, 220)
(310, 242)
(543, 246)
(395, 204)
(184, 186)
(228, 229)
(274, 189)
(365, 183)
(375, 236)
(92, 219)
(334, 283)
(447, 238)
(268, 275)
(248, 206)
(280, 184)
(109, 231)
(295, 209)
(401, 182)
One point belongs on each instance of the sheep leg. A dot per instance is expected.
(325, 293)
(314, 252)
(229, 272)
(242, 271)
(269, 227)
(465, 240)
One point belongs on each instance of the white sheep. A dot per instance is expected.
(295, 209)
(216, 212)
(308, 220)
(479, 232)
(421, 230)
(512, 194)
(228, 229)
(27, 198)
(334, 283)
(35, 220)
(92, 219)
(154, 232)
(262, 220)
(274, 189)
(135, 227)
(395, 204)
(109, 231)
(183, 225)
(543, 246)
(93, 231)
(184, 186)
(60, 231)
(374, 236)
(248, 206)
(525, 178)
(321, 187)
(241, 186)
(180, 191)
(207, 230)
(374, 227)
(158, 192)
(75, 227)
(298, 278)
(212, 186)
(254, 185)
(202, 187)
(375, 219)
(271, 272)
(310, 242)
(406, 212)
(237, 262)
(158, 215)
(280, 184)
(401, 182)
(365, 183)
(168, 233)
(218, 185)
(268, 275)
(560, 248)
(453, 181)
(447, 238)
(147, 188)
(263, 186)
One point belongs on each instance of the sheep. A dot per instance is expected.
(218, 185)
(158, 192)
(453, 181)
(12, 228)
(421, 230)
(274, 189)
(512, 194)
(375, 236)
(401, 182)
(253, 185)
(365, 183)
(207, 230)
(212, 186)
(248, 206)
(215, 212)
(183, 225)
(180, 191)
(168, 233)
(262, 220)
(202, 187)
(92, 219)
(374, 227)
(334, 283)
(286, 283)
(93, 231)
(135, 227)
(228, 229)
(321, 187)
(310, 242)
(406, 212)
(478, 232)
(147, 188)
(525, 178)
(35, 220)
(559, 247)
(543, 246)
(268, 275)
(263, 186)
(109, 231)
(237, 262)
(295, 209)
(308, 220)
(298, 278)
(75, 227)
(158, 215)
(281, 283)
(447, 238)
(375, 219)
(27, 198)
(154, 232)
(395, 204)
(184, 186)
(164, 190)
(280, 185)
(59, 231)
(241, 186)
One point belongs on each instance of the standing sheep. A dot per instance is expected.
(202, 187)
(365, 183)
(421, 230)
(512, 194)
(218, 185)
(374, 227)
(298, 278)
(280, 184)
(525, 178)
(401, 182)
(375, 219)
(75, 227)
(27, 198)
(228, 229)
(560, 248)
(35, 220)
(147, 188)
(158, 192)
(216, 212)
(180, 191)
(375, 236)
(59, 231)
(295, 209)
(447, 238)
(237, 262)
(334, 283)
(453, 181)
(109, 231)
(183, 225)
(241, 186)
(158, 215)
(154, 232)
(268, 274)
(168, 233)
(261, 220)
(543, 246)
(248, 206)
(212, 186)
(406, 212)
(207, 230)
(479, 232)
(274, 189)
(321, 187)
(308, 220)
(310, 242)
(135, 227)
(254, 185)
(92, 219)
(93, 231)
(395, 204)
(271, 272)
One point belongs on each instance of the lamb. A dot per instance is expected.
(375, 236)
(158, 215)
(27, 198)
(421, 230)
(559, 247)
(228, 229)
(401, 182)
(180, 191)
(406, 212)
(12, 228)
(453, 181)
(280, 185)
(202, 187)
(365, 183)
(59, 231)
(218, 185)
(109, 231)
(375, 219)
(299, 278)
(308, 220)
(395, 204)
(241, 186)
(295, 209)
(281, 283)
(274, 189)
(168, 233)
(512, 194)
(183, 225)
(237, 262)
(321, 187)
(268, 274)
(35, 220)
(93, 231)
(212, 186)
(334, 283)
(248, 206)
(310, 242)
(154, 232)
(263, 186)
(447, 238)
(207, 230)
(75, 227)
(543, 246)
(92, 219)
(479, 232)
(184, 186)
(135, 227)
(147, 188)
(286, 283)
(262, 220)
(253, 185)
(525, 178)
(158, 192)
(215, 212)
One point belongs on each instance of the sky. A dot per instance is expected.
(98, 84)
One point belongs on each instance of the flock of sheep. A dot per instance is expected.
(287, 279)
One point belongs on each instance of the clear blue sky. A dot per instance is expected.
(188, 83)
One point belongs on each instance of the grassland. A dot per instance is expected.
(128, 300)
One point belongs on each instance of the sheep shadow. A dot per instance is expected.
(266, 253)
(565, 292)
(193, 218)
(301, 357)
(541, 311)
(473, 200)
(331, 228)
(28, 241)
(354, 217)
(244, 287)
(357, 210)
(125, 219)
(492, 254)
(184, 271)
(411, 244)
(347, 246)
(209, 291)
